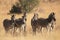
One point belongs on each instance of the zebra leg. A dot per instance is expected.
(53, 25)
(40, 29)
(24, 27)
(13, 30)
(6, 30)
(47, 28)
(34, 30)
(19, 29)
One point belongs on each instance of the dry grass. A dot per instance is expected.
(43, 10)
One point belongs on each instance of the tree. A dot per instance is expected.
(28, 5)
(24, 6)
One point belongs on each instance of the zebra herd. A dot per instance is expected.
(36, 23)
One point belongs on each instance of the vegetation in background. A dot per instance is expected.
(25, 6)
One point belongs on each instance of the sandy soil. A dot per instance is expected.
(43, 9)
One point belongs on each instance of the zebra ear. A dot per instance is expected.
(53, 13)
(13, 15)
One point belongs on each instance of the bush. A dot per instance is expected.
(15, 9)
